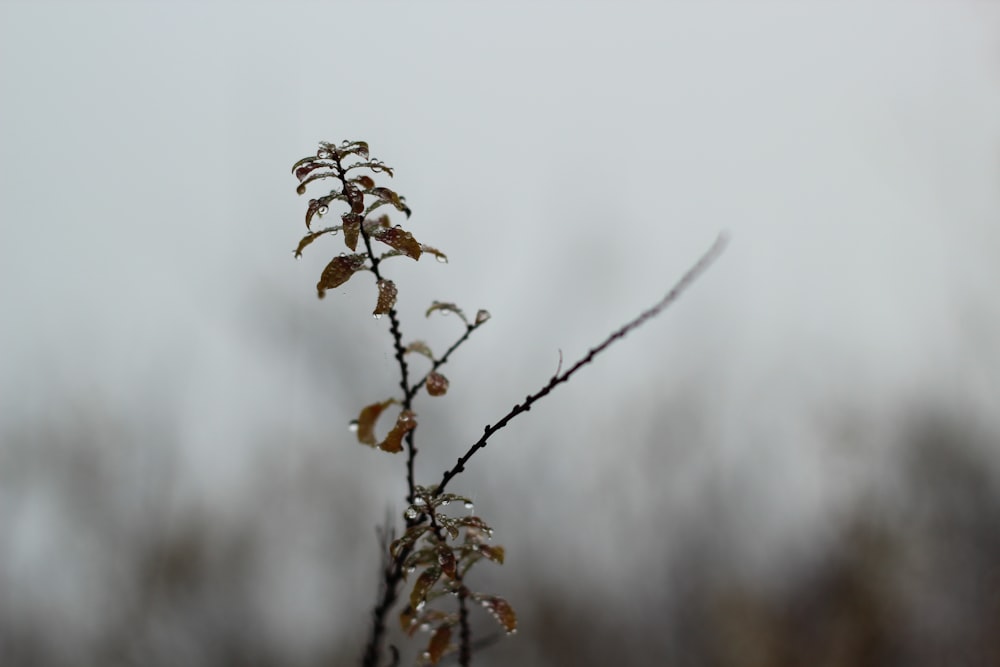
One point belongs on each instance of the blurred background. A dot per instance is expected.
(797, 464)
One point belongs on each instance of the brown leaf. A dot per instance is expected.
(438, 644)
(311, 211)
(352, 228)
(339, 271)
(446, 559)
(304, 170)
(309, 238)
(437, 384)
(386, 297)
(407, 619)
(411, 535)
(356, 199)
(366, 421)
(423, 586)
(366, 182)
(501, 610)
(405, 423)
(495, 554)
(400, 239)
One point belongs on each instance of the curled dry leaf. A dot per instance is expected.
(423, 586)
(446, 559)
(405, 423)
(446, 308)
(501, 610)
(366, 421)
(438, 255)
(352, 228)
(438, 644)
(494, 553)
(420, 347)
(437, 384)
(386, 297)
(339, 271)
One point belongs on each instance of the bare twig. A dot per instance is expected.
(692, 274)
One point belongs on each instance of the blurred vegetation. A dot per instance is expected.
(104, 561)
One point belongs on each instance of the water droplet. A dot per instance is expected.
(353, 426)
(425, 627)
(469, 505)
(512, 632)
(445, 502)
(323, 154)
(419, 500)
(322, 210)
(421, 605)
(411, 513)
(411, 570)
(441, 259)
(482, 316)
(377, 316)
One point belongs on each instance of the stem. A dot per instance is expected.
(692, 274)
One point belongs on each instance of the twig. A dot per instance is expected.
(692, 274)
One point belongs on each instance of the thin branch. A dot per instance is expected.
(692, 274)
(438, 363)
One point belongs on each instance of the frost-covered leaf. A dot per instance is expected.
(420, 347)
(405, 423)
(438, 644)
(386, 297)
(446, 308)
(398, 238)
(501, 611)
(339, 271)
(423, 585)
(366, 421)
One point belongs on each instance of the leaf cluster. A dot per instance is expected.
(438, 549)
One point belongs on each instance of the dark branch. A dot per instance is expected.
(692, 274)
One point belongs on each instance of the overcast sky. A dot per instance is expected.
(572, 160)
